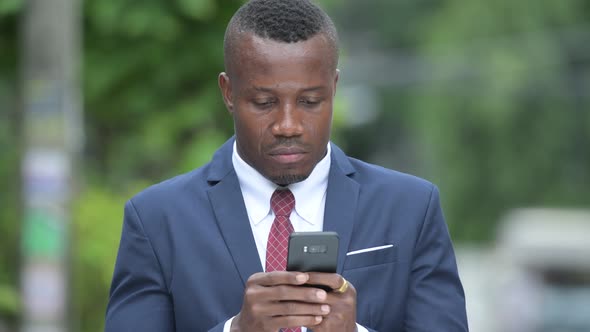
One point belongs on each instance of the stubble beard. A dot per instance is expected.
(287, 179)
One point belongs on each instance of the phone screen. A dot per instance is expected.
(313, 252)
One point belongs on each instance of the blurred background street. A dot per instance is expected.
(489, 100)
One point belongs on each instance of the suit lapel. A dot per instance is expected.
(226, 199)
(341, 202)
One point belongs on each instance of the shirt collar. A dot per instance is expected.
(257, 190)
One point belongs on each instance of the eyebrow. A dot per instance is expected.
(311, 89)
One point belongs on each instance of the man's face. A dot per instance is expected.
(281, 96)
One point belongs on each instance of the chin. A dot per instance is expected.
(287, 179)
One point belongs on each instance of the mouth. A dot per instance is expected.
(288, 155)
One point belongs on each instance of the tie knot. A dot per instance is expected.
(282, 202)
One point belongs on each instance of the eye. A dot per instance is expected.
(263, 103)
(310, 102)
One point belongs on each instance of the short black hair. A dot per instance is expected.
(288, 21)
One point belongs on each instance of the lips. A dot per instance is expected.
(288, 155)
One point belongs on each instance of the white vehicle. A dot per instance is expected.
(536, 279)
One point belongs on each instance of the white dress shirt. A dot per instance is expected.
(307, 216)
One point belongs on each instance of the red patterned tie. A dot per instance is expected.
(282, 203)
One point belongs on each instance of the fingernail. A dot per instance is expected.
(321, 294)
(325, 308)
(301, 277)
(318, 319)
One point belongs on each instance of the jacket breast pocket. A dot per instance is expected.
(371, 258)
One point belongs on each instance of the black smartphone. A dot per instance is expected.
(313, 252)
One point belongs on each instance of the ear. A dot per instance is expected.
(336, 77)
(226, 93)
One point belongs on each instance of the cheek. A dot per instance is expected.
(323, 125)
(260, 132)
(252, 131)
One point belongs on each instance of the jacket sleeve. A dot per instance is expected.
(139, 298)
(436, 299)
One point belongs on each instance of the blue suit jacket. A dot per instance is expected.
(187, 250)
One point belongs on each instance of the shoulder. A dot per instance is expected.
(372, 177)
(174, 189)
(371, 174)
(190, 186)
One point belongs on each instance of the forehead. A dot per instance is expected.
(257, 57)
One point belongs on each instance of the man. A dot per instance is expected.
(193, 248)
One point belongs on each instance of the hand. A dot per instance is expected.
(342, 316)
(276, 300)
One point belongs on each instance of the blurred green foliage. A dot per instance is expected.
(151, 99)
(501, 118)
(152, 110)
(98, 223)
(495, 109)
(516, 131)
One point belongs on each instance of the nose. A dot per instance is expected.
(288, 121)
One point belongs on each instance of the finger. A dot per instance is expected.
(278, 278)
(331, 280)
(296, 321)
(294, 308)
(290, 293)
